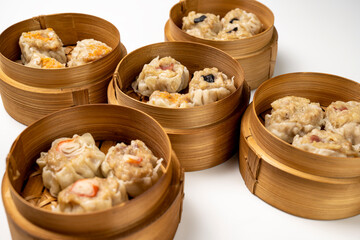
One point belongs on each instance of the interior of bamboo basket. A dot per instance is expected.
(36, 193)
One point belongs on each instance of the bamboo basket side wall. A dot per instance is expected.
(71, 27)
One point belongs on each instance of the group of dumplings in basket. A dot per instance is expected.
(84, 179)
(44, 49)
(335, 132)
(236, 24)
(163, 79)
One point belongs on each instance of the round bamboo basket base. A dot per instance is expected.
(26, 104)
(293, 191)
(162, 224)
(200, 148)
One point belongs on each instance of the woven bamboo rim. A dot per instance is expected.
(160, 226)
(26, 104)
(71, 27)
(105, 122)
(198, 148)
(236, 48)
(195, 57)
(288, 189)
(318, 87)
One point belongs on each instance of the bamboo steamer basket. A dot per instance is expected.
(257, 54)
(194, 132)
(26, 203)
(299, 182)
(30, 93)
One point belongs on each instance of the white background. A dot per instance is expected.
(314, 35)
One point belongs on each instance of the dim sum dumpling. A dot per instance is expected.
(344, 118)
(292, 116)
(134, 164)
(248, 22)
(202, 25)
(325, 143)
(91, 194)
(68, 160)
(45, 42)
(170, 100)
(165, 74)
(39, 60)
(87, 50)
(210, 85)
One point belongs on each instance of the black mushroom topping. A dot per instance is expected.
(199, 19)
(209, 78)
(234, 19)
(234, 29)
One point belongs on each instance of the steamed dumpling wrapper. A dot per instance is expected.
(45, 42)
(68, 160)
(91, 194)
(134, 164)
(202, 25)
(344, 119)
(210, 85)
(292, 116)
(86, 51)
(165, 74)
(170, 100)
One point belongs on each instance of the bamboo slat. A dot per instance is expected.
(104, 122)
(256, 54)
(299, 182)
(193, 131)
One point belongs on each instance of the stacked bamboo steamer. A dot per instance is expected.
(257, 54)
(30, 93)
(155, 214)
(194, 132)
(295, 181)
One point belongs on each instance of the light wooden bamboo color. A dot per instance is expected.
(199, 148)
(104, 122)
(71, 27)
(293, 180)
(193, 131)
(256, 54)
(29, 94)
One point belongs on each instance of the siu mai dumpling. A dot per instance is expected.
(45, 42)
(325, 143)
(164, 74)
(39, 60)
(249, 22)
(68, 160)
(210, 85)
(344, 119)
(134, 164)
(202, 25)
(87, 50)
(170, 100)
(91, 194)
(292, 116)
